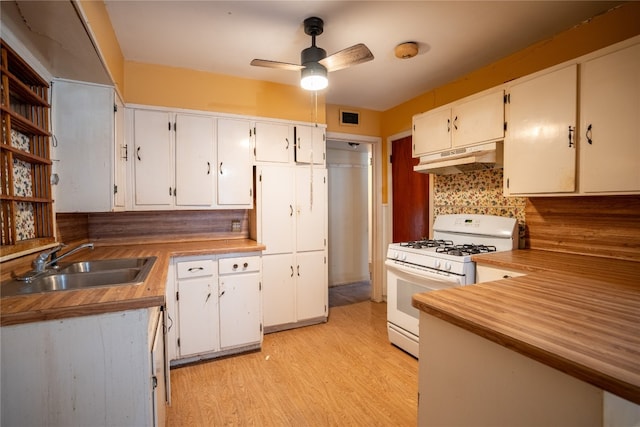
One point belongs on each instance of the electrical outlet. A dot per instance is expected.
(235, 225)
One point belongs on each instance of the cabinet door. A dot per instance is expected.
(311, 285)
(240, 314)
(235, 171)
(431, 132)
(310, 144)
(278, 290)
(540, 153)
(159, 385)
(153, 161)
(478, 120)
(195, 163)
(198, 311)
(276, 208)
(610, 122)
(83, 126)
(274, 142)
(121, 156)
(311, 208)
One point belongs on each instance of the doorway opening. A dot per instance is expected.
(352, 249)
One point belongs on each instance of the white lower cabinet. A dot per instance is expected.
(295, 289)
(101, 370)
(214, 303)
(486, 273)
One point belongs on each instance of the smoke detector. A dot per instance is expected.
(406, 50)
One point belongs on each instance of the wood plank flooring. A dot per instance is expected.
(344, 372)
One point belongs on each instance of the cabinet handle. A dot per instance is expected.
(195, 269)
(287, 139)
(290, 210)
(208, 296)
(571, 136)
(298, 271)
(448, 125)
(126, 153)
(222, 293)
(299, 145)
(208, 168)
(138, 153)
(220, 168)
(291, 271)
(589, 135)
(455, 123)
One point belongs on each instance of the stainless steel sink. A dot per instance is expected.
(84, 275)
(104, 265)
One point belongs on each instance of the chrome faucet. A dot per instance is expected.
(50, 258)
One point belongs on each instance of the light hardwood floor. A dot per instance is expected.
(341, 373)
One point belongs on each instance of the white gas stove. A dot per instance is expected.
(444, 262)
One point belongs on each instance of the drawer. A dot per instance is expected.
(239, 265)
(200, 268)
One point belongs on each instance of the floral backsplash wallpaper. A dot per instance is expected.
(478, 192)
(23, 186)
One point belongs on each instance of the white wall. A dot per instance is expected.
(348, 214)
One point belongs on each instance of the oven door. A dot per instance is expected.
(402, 282)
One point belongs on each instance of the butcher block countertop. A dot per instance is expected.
(63, 304)
(578, 314)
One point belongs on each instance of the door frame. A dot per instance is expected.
(378, 251)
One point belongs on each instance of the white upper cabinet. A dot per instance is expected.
(610, 122)
(311, 208)
(153, 159)
(234, 169)
(310, 144)
(195, 160)
(273, 142)
(276, 208)
(89, 162)
(432, 131)
(476, 119)
(540, 148)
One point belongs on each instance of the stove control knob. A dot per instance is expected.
(394, 255)
(447, 266)
(436, 263)
(403, 257)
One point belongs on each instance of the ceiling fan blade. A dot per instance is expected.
(354, 55)
(276, 64)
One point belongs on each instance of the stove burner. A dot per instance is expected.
(427, 243)
(467, 249)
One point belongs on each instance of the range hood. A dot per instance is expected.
(460, 160)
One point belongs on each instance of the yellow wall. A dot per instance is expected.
(100, 24)
(184, 88)
(601, 31)
(369, 121)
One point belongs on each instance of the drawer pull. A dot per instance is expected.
(235, 266)
(245, 265)
(196, 268)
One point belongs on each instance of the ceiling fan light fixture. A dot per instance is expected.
(314, 77)
(406, 50)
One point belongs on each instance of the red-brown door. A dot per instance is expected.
(410, 194)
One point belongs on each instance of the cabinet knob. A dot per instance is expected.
(245, 265)
(235, 266)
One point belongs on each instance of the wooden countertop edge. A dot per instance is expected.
(616, 386)
(155, 282)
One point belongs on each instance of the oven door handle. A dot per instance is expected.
(425, 274)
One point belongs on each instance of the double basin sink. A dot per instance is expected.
(84, 275)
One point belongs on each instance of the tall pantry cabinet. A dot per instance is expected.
(291, 221)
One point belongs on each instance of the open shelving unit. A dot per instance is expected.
(26, 213)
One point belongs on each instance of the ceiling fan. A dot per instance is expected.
(314, 60)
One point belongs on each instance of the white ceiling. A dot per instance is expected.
(455, 38)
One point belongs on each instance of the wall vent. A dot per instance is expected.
(349, 118)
